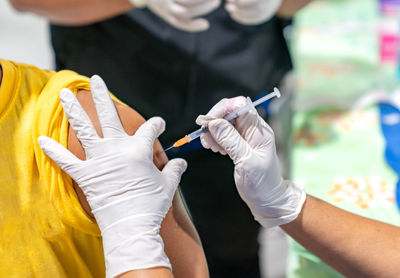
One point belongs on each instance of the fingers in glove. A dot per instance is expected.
(218, 110)
(227, 106)
(150, 131)
(78, 118)
(192, 25)
(60, 155)
(243, 3)
(250, 17)
(229, 139)
(250, 12)
(254, 129)
(231, 7)
(243, 15)
(246, 123)
(187, 3)
(173, 171)
(108, 116)
(221, 109)
(203, 120)
(197, 9)
(208, 142)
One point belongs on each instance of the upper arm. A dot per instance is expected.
(289, 8)
(182, 244)
(73, 12)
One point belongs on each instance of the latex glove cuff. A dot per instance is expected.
(121, 245)
(284, 208)
(139, 3)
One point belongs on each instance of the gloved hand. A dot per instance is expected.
(182, 14)
(128, 195)
(252, 12)
(249, 142)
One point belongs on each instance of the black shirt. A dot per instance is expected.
(159, 70)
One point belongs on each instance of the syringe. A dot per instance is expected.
(196, 134)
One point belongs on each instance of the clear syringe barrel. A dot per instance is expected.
(197, 133)
(246, 108)
(237, 113)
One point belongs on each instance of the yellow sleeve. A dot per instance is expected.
(50, 120)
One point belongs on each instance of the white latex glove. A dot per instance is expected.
(128, 195)
(182, 14)
(250, 144)
(252, 12)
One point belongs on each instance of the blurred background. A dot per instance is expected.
(24, 38)
(344, 120)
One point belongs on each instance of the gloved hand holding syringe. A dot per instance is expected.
(196, 134)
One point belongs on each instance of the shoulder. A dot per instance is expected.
(131, 121)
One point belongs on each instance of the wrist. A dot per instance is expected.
(283, 208)
(124, 251)
(133, 243)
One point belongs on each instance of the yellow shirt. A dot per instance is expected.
(44, 232)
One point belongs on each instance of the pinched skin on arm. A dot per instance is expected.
(182, 243)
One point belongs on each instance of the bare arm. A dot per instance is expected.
(353, 245)
(74, 12)
(289, 7)
(182, 243)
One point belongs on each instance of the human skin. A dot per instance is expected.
(182, 243)
(81, 12)
(353, 245)
(289, 8)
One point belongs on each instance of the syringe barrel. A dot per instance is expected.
(238, 112)
(247, 107)
(195, 134)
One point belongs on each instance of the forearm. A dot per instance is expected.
(290, 7)
(182, 243)
(74, 12)
(353, 245)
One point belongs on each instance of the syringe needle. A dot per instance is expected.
(167, 149)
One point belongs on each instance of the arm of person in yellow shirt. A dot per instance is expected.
(289, 8)
(182, 243)
(74, 12)
(353, 245)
